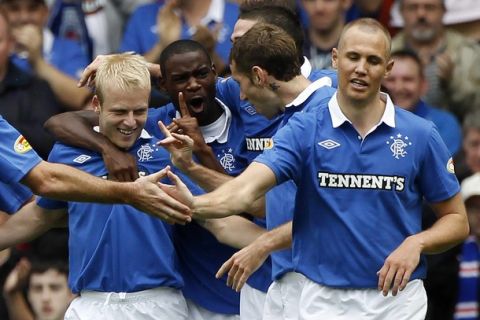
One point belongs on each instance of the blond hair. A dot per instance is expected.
(123, 71)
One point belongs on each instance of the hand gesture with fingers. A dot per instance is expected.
(178, 190)
(150, 198)
(399, 266)
(180, 147)
(188, 125)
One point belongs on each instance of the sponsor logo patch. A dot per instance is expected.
(21, 145)
(450, 166)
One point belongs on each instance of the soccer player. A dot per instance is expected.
(113, 277)
(21, 165)
(362, 168)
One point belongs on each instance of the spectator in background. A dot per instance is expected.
(467, 307)
(326, 20)
(154, 26)
(469, 161)
(452, 62)
(47, 290)
(25, 101)
(406, 85)
(58, 61)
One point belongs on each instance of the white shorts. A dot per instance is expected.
(283, 297)
(320, 302)
(196, 312)
(154, 304)
(252, 302)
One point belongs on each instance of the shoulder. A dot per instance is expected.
(406, 120)
(69, 155)
(146, 9)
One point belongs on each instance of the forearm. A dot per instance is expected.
(27, 224)
(17, 306)
(450, 229)
(64, 87)
(206, 178)
(62, 182)
(236, 195)
(206, 157)
(234, 231)
(75, 128)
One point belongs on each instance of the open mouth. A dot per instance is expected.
(126, 132)
(196, 104)
(359, 84)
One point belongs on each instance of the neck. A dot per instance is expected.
(3, 71)
(215, 113)
(194, 11)
(326, 39)
(290, 90)
(364, 114)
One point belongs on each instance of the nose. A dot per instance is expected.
(361, 66)
(130, 119)
(193, 84)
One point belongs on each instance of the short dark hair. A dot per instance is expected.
(249, 5)
(179, 47)
(409, 54)
(42, 265)
(268, 47)
(279, 16)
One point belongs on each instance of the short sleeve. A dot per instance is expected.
(289, 146)
(437, 177)
(17, 157)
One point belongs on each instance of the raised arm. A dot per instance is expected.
(450, 229)
(13, 292)
(75, 128)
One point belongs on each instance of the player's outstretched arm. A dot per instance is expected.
(450, 229)
(62, 182)
(75, 128)
(236, 195)
(28, 223)
(234, 231)
(246, 261)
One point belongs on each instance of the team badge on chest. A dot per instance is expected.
(398, 145)
(227, 160)
(145, 153)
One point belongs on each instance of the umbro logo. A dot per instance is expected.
(81, 159)
(329, 144)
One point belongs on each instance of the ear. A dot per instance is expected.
(388, 68)
(259, 76)
(335, 58)
(214, 70)
(96, 104)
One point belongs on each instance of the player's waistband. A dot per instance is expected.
(125, 297)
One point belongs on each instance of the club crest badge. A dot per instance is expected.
(144, 153)
(21, 145)
(227, 160)
(398, 145)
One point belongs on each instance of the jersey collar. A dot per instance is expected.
(338, 118)
(306, 67)
(308, 91)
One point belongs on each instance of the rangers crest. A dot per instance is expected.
(398, 144)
